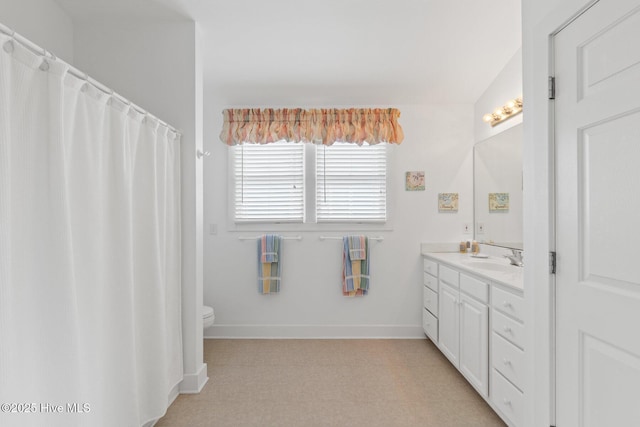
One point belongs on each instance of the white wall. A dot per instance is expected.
(43, 22)
(506, 86)
(155, 65)
(438, 141)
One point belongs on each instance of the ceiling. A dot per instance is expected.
(337, 52)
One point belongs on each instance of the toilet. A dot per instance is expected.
(207, 316)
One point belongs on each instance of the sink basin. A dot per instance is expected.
(490, 265)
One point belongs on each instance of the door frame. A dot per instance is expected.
(539, 207)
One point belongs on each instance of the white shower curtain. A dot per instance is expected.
(89, 252)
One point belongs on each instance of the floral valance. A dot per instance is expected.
(326, 126)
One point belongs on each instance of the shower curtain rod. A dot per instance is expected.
(40, 51)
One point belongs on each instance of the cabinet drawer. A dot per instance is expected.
(430, 281)
(508, 360)
(508, 303)
(449, 276)
(430, 267)
(430, 300)
(507, 398)
(474, 287)
(508, 328)
(430, 325)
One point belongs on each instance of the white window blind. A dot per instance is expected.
(351, 183)
(269, 182)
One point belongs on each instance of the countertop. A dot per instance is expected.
(502, 272)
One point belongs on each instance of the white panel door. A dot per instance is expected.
(448, 326)
(597, 59)
(474, 343)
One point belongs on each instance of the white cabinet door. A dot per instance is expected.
(474, 343)
(597, 204)
(448, 323)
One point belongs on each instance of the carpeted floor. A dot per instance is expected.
(293, 383)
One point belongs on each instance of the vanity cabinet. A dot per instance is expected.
(507, 354)
(449, 327)
(477, 323)
(430, 299)
(464, 325)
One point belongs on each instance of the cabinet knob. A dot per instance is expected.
(507, 329)
(506, 304)
(506, 361)
(506, 401)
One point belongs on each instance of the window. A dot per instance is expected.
(351, 183)
(269, 182)
(270, 185)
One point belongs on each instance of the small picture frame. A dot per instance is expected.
(414, 181)
(498, 202)
(448, 202)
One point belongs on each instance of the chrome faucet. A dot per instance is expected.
(516, 257)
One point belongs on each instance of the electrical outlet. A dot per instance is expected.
(466, 228)
(481, 228)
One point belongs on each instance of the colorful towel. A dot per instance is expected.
(269, 264)
(357, 248)
(355, 265)
(269, 247)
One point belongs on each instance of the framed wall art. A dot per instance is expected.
(414, 181)
(448, 202)
(498, 202)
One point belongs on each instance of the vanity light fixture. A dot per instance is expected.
(505, 112)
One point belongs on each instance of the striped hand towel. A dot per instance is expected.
(269, 264)
(355, 265)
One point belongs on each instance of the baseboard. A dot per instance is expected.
(316, 331)
(193, 383)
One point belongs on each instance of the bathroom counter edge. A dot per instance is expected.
(512, 279)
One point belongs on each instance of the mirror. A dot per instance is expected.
(497, 181)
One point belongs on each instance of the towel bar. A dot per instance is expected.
(378, 238)
(283, 238)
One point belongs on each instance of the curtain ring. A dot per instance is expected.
(9, 45)
(45, 64)
(85, 85)
(110, 95)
